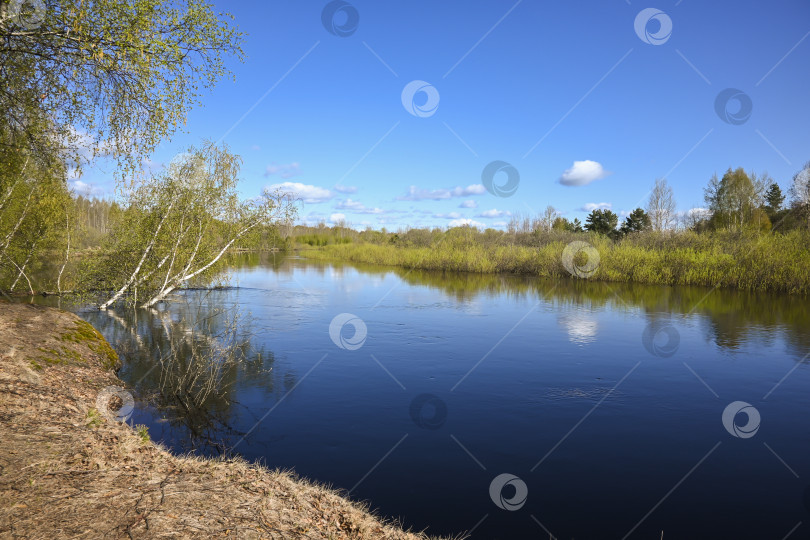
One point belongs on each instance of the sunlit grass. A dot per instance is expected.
(743, 261)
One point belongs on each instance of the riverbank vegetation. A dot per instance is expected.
(746, 239)
(89, 80)
(777, 263)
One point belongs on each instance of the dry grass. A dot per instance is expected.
(746, 261)
(67, 472)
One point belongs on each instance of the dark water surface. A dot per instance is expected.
(609, 430)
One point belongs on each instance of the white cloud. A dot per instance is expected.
(345, 189)
(255, 147)
(415, 194)
(590, 207)
(349, 204)
(466, 221)
(583, 173)
(494, 213)
(85, 189)
(468, 204)
(305, 192)
(334, 218)
(451, 215)
(358, 207)
(285, 171)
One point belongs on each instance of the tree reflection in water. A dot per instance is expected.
(730, 318)
(185, 359)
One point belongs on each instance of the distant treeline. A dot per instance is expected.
(746, 238)
(736, 202)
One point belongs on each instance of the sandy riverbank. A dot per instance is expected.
(68, 472)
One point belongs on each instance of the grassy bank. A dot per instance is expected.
(67, 471)
(743, 261)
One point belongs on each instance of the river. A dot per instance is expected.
(506, 406)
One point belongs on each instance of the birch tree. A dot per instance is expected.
(549, 215)
(661, 206)
(112, 77)
(178, 226)
(33, 204)
(800, 188)
(735, 201)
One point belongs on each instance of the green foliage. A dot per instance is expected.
(563, 224)
(34, 208)
(93, 77)
(84, 333)
(111, 77)
(318, 240)
(602, 221)
(93, 220)
(747, 261)
(774, 198)
(265, 237)
(177, 226)
(735, 202)
(94, 418)
(143, 433)
(637, 221)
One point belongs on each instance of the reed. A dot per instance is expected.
(763, 262)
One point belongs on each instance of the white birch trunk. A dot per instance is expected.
(137, 270)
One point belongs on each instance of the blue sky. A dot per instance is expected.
(546, 87)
